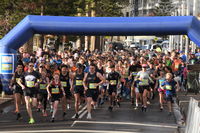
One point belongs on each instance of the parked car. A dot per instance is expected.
(135, 45)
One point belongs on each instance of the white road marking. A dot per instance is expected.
(129, 123)
(73, 123)
(67, 130)
(83, 114)
(79, 111)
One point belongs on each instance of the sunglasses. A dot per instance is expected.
(31, 65)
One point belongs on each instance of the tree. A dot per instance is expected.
(163, 8)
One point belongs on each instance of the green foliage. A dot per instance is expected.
(13, 11)
(164, 8)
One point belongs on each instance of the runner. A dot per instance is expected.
(113, 78)
(44, 81)
(144, 86)
(160, 89)
(55, 90)
(28, 82)
(65, 77)
(169, 85)
(90, 83)
(17, 90)
(78, 87)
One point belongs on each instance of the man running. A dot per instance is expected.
(28, 82)
(90, 83)
(113, 78)
(17, 89)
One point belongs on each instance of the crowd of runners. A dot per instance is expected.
(45, 79)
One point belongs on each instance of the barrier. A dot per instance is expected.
(193, 117)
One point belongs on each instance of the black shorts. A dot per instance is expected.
(142, 88)
(55, 97)
(68, 93)
(18, 90)
(169, 98)
(79, 90)
(32, 92)
(93, 94)
(111, 90)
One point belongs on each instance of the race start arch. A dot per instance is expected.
(113, 26)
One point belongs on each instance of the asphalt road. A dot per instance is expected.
(121, 120)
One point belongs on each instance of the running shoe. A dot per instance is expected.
(89, 117)
(68, 106)
(76, 116)
(19, 117)
(52, 119)
(161, 108)
(31, 121)
(110, 108)
(118, 104)
(145, 109)
(64, 114)
(142, 108)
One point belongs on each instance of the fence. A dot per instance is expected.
(193, 117)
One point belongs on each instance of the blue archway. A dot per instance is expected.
(179, 25)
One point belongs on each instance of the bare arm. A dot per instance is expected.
(20, 83)
(84, 81)
(100, 76)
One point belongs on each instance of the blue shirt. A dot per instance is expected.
(169, 87)
(184, 57)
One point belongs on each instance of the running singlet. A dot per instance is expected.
(55, 89)
(64, 80)
(30, 78)
(79, 80)
(113, 78)
(92, 80)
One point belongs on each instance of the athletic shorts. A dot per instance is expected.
(111, 90)
(55, 97)
(161, 90)
(68, 93)
(169, 98)
(93, 94)
(18, 90)
(32, 92)
(142, 88)
(79, 90)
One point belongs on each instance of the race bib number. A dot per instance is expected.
(134, 73)
(176, 66)
(43, 86)
(92, 86)
(113, 82)
(79, 82)
(144, 82)
(55, 91)
(168, 87)
(30, 84)
(64, 84)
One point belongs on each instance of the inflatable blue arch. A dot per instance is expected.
(114, 26)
